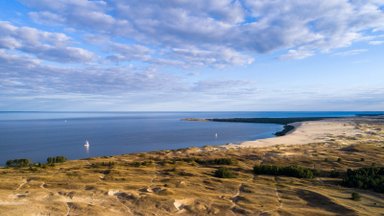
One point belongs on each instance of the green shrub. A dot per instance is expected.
(223, 172)
(355, 196)
(216, 161)
(109, 164)
(33, 169)
(365, 178)
(335, 174)
(135, 164)
(291, 171)
(142, 163)
(57, 159)
(18, 163)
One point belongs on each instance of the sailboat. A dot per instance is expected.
(216, 135)
(86, 144)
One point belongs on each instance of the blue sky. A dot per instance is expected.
(217, 55)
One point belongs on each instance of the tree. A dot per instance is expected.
(18, 163)
(292, 171)
(57, 159)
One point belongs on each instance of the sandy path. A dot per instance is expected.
(233, 198)
(279, 200)
(21, 184)
(68, 209)
(305, 133)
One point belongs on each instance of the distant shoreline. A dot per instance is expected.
(291, 124)
(308, 132)
(283, 121)
(287, 122)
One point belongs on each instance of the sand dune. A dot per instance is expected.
(307, 132)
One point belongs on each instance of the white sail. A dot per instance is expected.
(86, 144)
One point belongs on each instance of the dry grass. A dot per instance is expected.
(172, 182)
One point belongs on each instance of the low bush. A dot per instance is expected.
(141, 163)
(32, 169)
(223, 172)
(57, 159)
(355, 196)
(216, 161)
(109, 164)
(335, 174)
(18, 163)
(291, 171)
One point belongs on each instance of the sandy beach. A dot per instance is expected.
(307, 132)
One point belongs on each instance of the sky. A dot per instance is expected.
(201, 55)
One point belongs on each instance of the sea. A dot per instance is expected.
(38, 135)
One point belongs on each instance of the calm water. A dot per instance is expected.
(38, 135)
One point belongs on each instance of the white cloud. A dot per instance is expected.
(35, 77)
(23, 62)
(211, 56)
(237, 27)
(42, 44)
(9, 43)
(46, 17)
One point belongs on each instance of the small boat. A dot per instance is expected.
(216, 135)
(86, 144)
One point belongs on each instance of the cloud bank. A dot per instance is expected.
(240, 28)
(82, 47)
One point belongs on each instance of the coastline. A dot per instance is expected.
(264, 142)
(307, 132)
(300, 131)
(289, 137)
(184, 181)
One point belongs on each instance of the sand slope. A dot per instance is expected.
(308, 132)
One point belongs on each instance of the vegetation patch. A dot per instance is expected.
(142, 163)
(287, 129)
(224, 172)
(355, 196)
(18, 163)
(57, 159)
(109, 164)
(291, 171)
(365, 178)
(217, 161)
